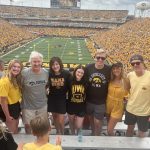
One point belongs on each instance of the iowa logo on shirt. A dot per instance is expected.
(78, 93)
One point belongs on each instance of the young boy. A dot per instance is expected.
(40, 127)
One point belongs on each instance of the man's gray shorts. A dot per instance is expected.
(96, 111)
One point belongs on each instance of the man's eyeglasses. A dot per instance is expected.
(135, 63)
(102, 58)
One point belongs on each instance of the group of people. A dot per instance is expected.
(96, 90)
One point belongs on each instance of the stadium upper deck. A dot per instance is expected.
(21, 15)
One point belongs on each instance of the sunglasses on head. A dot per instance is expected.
(102, 58)
(135, 63)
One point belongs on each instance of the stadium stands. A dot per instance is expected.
(87, 15)
(63, 32)
(34, 16)
(120, 42)
(12, 36)
(94, 142)
(126, 40)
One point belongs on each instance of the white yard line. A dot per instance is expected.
(62, 54)
(79, 51)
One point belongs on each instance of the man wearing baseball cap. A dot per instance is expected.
(138, 106)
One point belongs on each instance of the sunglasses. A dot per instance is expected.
(135, 63)
(102, 58)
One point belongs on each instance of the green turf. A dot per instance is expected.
(70, 50)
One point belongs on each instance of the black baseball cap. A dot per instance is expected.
(136, 57)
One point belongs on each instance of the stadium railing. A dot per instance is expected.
(93, 142)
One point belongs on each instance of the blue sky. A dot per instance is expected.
(85, 4)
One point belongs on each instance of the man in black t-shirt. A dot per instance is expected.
(98, 76)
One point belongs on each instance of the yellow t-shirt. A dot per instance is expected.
(7, 89)
(139, 98)
(48, 146)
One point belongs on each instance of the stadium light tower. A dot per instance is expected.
(16, 2)
(141, 8)
(11, 2)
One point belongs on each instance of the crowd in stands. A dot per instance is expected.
(122, 42)
(18, 11)
(66, 32)
(61, 23)
(50, 17)
(12, 36)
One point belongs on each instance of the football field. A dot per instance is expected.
(70, 50)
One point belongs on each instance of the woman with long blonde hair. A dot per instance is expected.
(10, 95)
(117, 91)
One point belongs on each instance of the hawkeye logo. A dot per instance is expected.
(97, 79)
(96, 82)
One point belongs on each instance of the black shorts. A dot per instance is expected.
(14, 110)
(57, 105)
(142, 121)
(2, 115)
(78, 114)
(76, 109)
